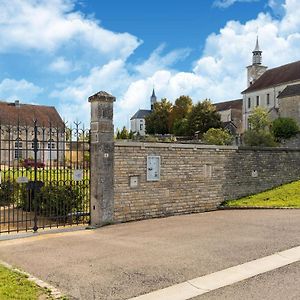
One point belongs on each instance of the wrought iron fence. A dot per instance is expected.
(44, 176)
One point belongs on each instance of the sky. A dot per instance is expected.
(60, 52)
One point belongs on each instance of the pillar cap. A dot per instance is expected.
(102, 96)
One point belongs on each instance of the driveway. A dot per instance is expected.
(126, 260)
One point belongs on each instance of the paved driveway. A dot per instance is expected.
(126, 260)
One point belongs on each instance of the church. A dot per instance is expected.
(277, 89)
(137, 121)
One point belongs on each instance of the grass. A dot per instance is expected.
(15, 286)
(287, 195)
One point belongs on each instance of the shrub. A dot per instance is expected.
(284, 128)
(217, 136)
(259, 138)
(54, 201)
(7, 192)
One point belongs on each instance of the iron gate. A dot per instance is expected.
(44, 176)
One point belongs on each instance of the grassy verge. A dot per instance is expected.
(287, 195)
(15, 286)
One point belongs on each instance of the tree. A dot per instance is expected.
(259, 133)
(284, 128)
(182, 107)
(202, 117)
(180, 127)
(158, 121)
(217, 136)
(259, 119)
(124, 134)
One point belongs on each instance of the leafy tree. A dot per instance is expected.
(158, 121)
(259, 133)
(182, 107)
(118, 134)
(124, 134)
(284, 128)
(259, 119)
(217, 136)
(180, 127)
(202, 117)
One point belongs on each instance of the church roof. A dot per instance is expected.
(141, 114)
(25, 114)
(290, 90)
(276, 76)
(232, 104)
(257, 49)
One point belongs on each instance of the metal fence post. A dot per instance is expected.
(102, 159)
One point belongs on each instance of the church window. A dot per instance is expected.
(18, 148)
(249, 102)
(257, 100)
(141, 126)
(268, 99)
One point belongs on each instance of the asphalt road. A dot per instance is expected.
(126, 260)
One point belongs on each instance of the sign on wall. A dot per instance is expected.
(153, 168)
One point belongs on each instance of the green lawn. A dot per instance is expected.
(15, 286)
(287, 195)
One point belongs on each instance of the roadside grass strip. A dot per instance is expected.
(18, 285)
(285, 196)
(205, 284)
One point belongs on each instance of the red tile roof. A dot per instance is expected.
(11, 113)
(279, 75)
(232, 104)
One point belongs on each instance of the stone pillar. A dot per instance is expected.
(102, 159)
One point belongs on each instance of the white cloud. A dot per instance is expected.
(49, 25)
(22, 90)
(158, 60)
(61, 65)
(227, 3)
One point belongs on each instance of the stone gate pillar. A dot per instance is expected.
(102, 158)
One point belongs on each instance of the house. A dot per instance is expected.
(265, 87)
(17, 133)
(231, 115)
(137, 121)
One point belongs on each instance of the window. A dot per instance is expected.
(18, 148)
(141, 126)
(32, 145)
(249, 102)
(51, 144)
(268, 99)
(257, 100)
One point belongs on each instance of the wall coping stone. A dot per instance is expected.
(144, 145)
(172, 145)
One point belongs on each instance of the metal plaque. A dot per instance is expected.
(78, 175)
(22, 179)
(153, 168)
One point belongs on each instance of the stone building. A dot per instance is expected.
(17, 133)
(231, 115)
(137, 121)
(265, 87)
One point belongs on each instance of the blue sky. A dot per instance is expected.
(59, 52)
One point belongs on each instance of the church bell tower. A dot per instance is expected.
(255, 70)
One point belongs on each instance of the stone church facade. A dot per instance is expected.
(277, 89)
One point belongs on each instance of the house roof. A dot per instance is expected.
(25, 114)
(141, 114)
(279, 75)
(232, 104)
(290, 90)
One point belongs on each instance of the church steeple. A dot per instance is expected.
(257, 54)
(153, 99)
(255, 70)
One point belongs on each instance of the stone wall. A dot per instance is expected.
(194, 178)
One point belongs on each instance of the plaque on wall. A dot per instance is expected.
(153, 168)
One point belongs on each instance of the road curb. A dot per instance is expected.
(253, 207)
